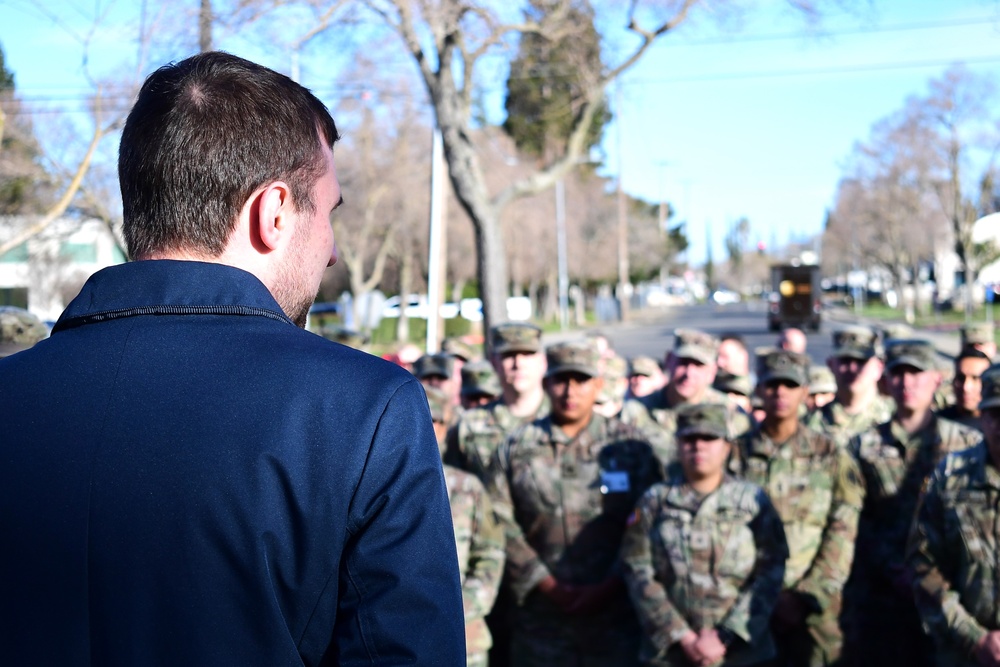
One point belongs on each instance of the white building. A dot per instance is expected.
(46, 272)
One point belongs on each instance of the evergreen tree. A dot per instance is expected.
(23, 182)
(547, 81)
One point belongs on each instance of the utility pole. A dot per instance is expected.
(624, 291)
(436, 249)
(561, 254)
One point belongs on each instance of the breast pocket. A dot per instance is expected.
(735, 548)
(813, 480)
(536, 484)
(670, 551)
(884, 471)
(972, 520)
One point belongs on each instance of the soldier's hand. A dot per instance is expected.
(710, 646)
(988, 649)
(592, 598)
(563, 595)
(789, 611)
(689, 643)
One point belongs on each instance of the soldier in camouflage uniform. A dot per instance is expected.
(954, 545)
(478, 537)
(19, 330)
(645, 376)
(563, 487)
(612, 396)
(480, 385)
(822, 387)
(859, 405)
(970, 365)
(690, 370)
(896, 457)
(704, 555)
(816, 487)
(438, 371)
(980, 336)
(519, 361)
(520, 364)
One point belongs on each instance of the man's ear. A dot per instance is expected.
(272, 226)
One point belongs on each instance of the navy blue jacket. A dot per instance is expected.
(187, 478)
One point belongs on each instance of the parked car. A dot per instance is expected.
(417, 307)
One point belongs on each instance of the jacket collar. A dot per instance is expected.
(165, 286)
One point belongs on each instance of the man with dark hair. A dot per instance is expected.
(967, 384)
(191, 479)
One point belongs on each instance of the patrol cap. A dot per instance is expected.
(697, 345)
(19, 330)
(991, 388)
(643, 365)
(442, 365)
(573, 357)
(821, 380)
(709, 419)
(784, 365)
(516, 337)
(855, 342)
(478, 377)
(458, 348)
(896, 331)
(912, 352)
(977, 334)
(437, 401)
(731, 383)
(615, 370)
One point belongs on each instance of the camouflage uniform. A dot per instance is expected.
(816, 488)
(957, 414)
(480, 431)
(480, 557)
(656, 416)
(694, 561)
(953, 552)
(479, 378)
(564, 504)
(861, 343)
(895, 465)
(19, 330)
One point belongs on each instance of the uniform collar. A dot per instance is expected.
(165, 286)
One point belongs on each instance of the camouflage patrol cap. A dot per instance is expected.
(19, 330)
(458, 348)
(478, 377)
(784, 365)
(615, 369)
(697, 345)
(731, 383)
(991, 388)
(821, 380)
(573, 357)
(896, 331)
(442, 365)
(855, 342)
(437, 401)
(642, 365)
(911, 352)
(709, 419)
(977, 334)
(516, 337)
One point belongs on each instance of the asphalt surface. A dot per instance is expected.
(650, 331)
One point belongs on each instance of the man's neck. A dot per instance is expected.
(707, 485)
(572, 429)
(780, 429)
(523, 405)
(913, 420)
(674, 399)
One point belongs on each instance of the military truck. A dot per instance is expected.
(795, 297)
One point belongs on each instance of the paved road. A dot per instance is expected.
(651, 331)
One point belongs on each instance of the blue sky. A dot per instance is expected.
(753, 120)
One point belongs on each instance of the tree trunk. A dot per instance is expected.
(405, 278)
(205, 26)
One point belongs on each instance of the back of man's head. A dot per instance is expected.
(203, 135)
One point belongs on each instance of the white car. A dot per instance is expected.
(725, 297)
(417, 307)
